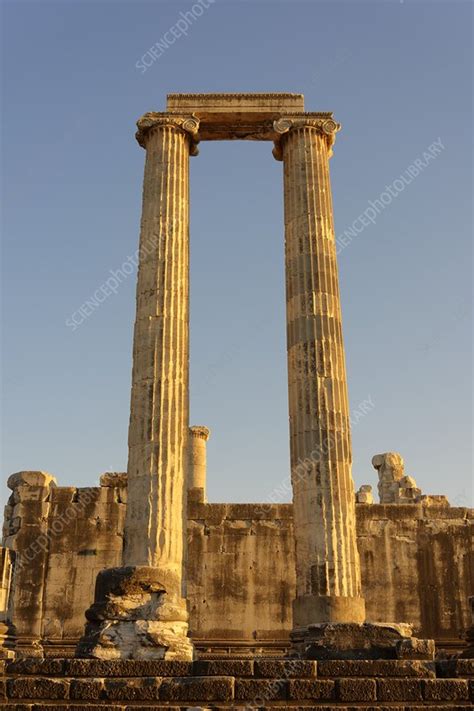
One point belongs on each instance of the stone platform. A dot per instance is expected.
(68, 684)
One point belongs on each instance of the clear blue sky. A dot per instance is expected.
(398, 77)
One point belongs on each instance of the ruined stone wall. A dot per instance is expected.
(62, 537)
(417, 564)
(417, 567)
(91, 542)
(241, 571)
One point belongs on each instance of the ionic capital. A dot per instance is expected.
(325, 126)
(200, 432)
(153, 120)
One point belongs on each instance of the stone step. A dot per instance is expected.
(254, 692)
(235, 706)
(31, 684)
(71, 706)
(259, 668)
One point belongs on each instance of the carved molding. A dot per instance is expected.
(235, 95)
(326, 126)
(153, 120)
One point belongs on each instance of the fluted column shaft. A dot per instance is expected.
(327, 560)
(158, 432)
(197, 459)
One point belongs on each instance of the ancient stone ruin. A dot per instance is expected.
(138, 593)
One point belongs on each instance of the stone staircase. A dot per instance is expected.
(84, 684)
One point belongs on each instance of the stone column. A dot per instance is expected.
(327, 559)
(152, 579)
(197, 462)
(159, 411)
(26, 532)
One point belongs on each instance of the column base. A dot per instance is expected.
(359, 641)
(308, 609)
(134, 617)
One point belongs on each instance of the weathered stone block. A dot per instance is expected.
(29, 513)
(196, 510)
(31, 478)
(198, 688)
(299, 689)
(61, 497)
(446, 690)
(414, 648)
(285, 669)
(224, 667)
(145, 688)
(258, 691)
(434, 500)
(364, 495)
(380, 668)
(196, 494)
(126, 668)
(23, 495)
(37, 688)
(356, 689)
(247, 512)
(400, 689)
(399, 512)
(113, 479)
(211, 513)
(350, 641)
(108, 499)
(447, 512)
(48, 667)
(87, 689)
